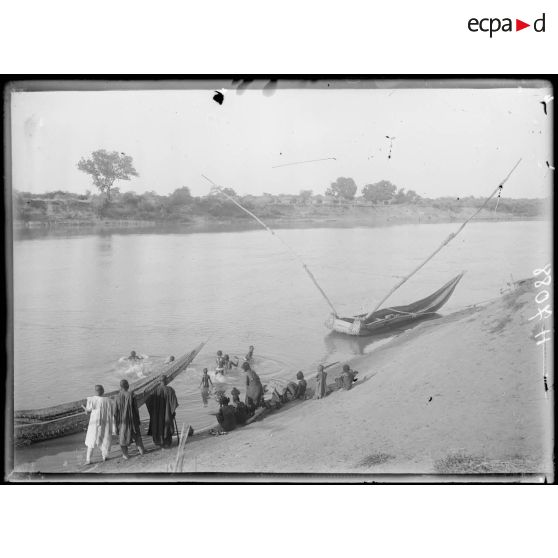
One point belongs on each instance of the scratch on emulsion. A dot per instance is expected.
(303, 162)
(390, 145)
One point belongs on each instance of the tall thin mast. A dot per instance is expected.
(304, 266)
(448, 239)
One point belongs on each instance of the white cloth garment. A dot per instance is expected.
(101, 423)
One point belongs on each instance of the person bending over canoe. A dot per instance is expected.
(204, 385)
(101, 424)
(254, 388)
(226, 416)
(321, 385)
(127, 419)
(162, 404)
(134, 357)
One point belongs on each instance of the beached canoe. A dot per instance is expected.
(53, 422)
(395, 316)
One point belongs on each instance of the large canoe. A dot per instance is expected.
(395, 316)
(53, 422)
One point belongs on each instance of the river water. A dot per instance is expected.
(82, 303)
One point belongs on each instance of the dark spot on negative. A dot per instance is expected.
(218, 97)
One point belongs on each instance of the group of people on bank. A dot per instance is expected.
(120, 416)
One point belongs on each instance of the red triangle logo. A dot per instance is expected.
(519, 25)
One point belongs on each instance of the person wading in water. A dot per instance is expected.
(204, 385)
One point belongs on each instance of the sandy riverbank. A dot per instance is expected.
(462, 394)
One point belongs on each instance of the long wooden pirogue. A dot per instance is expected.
(53, 422)
(395, 316)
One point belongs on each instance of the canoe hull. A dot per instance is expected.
(62, 420)
(394, 317)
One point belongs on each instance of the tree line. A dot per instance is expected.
(106, 168)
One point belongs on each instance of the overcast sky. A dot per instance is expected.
(447, 142)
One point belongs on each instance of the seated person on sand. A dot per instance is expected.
(241, 413)
(204, 385)
(289, 392)
(300, 392)
(229, 363)
(321, 385)
(254, 388)
(133, 356)
(347, 378)
(226, 416)
(220, 363)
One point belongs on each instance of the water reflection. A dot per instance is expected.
(340, 343)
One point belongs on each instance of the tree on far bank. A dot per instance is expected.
(305, 196)
(181, 196)
(105, 167)
(342, 188)
(379, 191)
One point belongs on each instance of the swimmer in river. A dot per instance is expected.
(134, 357)
(169, 360)
(204, 385)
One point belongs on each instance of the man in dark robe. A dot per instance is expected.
(162, 404)
(127, 419)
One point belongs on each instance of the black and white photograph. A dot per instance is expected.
(319, 280)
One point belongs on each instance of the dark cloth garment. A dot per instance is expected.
(254, 390)
(241, 413)
(226, 418)
(136, 438)
(300, 392)
(127, 418)
(235, 395)
(162, 404)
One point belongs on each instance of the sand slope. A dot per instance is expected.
(463, 394)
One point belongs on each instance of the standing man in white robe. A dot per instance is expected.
(101, 424)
